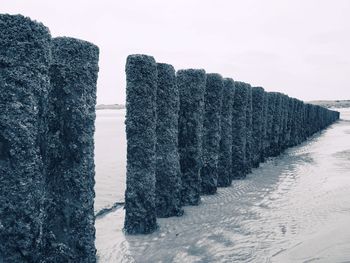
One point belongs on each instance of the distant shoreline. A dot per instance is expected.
(332, 103)
(110, 107)
(323, 103)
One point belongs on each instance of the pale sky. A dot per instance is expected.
(298, 47)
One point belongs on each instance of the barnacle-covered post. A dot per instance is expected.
(297, 122)
(249, 130)
(283, 138)
(258, 124)
(191, 84)
(276, 125)
(264, 127)
(225, 153)
(211, 133)
(24, 85)
(141, 89)
(270, 123)
(239, 136)
(69, 227)
(290, 107)
(293, 125)
(168, 173)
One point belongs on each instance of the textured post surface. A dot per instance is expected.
(276, 125)
(211, 133)
(270, 119)
(141, 89)
(264, 128)
(258, 124)
(70, 230)
(284, 134)
(191, 84)
(168, 174)
(24, 84)
(249, 130)
(296, 122)
(225, 154)
(239, 136)
(293, 122)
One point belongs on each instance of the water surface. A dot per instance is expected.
(293, 208)
(110, 157)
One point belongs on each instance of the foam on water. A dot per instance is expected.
(293, 208)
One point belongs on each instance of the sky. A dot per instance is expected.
(297, 47)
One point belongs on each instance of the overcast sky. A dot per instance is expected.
(298, 47)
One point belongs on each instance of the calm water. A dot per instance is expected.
(294, 208)
(110, 157)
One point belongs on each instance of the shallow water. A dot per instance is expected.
(110, 158)
(293, 208)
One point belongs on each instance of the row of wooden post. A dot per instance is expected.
(189, 132)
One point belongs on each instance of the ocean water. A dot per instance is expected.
(293, 208)
(110, 158)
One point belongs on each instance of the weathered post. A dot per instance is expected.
(258, 124)
(141, 89)
(289, 121)
(283, 138)
(276, 125)
(24, 84)
(264, 127)
(239, 136)
(191, 84)
(297, 122)
(249, 130)
(293, 124)
(69, 226)
(168, 173)
(211, 133)
(225, 153)
(270, 122)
